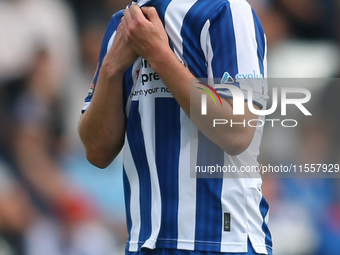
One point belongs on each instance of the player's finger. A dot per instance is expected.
(123, 21)
(127, 16)
(122, 28)
(152, 15)
(136, 12)
(122, 24)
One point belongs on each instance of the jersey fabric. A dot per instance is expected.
(165, 208)
(160, 251)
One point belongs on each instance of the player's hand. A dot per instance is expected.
(120, 56)
(144, 31)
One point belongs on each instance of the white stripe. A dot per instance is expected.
(265, 66)
(132, 176)
(174, 16)
(87, 104)
(187, 185)
(248, 63)
(231, 197)
(255, 220)
(266, 218)
(109, 45)
(136, 66)
(207, 49)
(265, 58)
(146, 110)
(245, 36)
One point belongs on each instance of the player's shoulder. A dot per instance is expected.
(220, 3)
(241, 4)
(233, 4)
(113, 25)
(214, 8)
(116, 18)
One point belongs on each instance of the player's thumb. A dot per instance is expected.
(151, 14)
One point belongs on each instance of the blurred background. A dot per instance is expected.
(53, 202)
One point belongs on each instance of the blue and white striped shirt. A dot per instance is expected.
(166, 208)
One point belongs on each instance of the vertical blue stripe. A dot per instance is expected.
(208, 191)
(261, 43)
(137, 146)
(127, 197)
(191, 34)
(208, 196)
(223, 43)
(264, 208)
(168, 143)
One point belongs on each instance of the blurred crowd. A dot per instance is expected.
(53, 202)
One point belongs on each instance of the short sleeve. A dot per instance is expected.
(236, 50)
(106, 44)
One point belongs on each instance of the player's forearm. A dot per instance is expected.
(102, 126)
(181, 83)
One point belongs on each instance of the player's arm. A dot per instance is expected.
(102, 126)
(143, 29)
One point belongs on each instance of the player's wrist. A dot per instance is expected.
(112, 70)
(162, 59)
